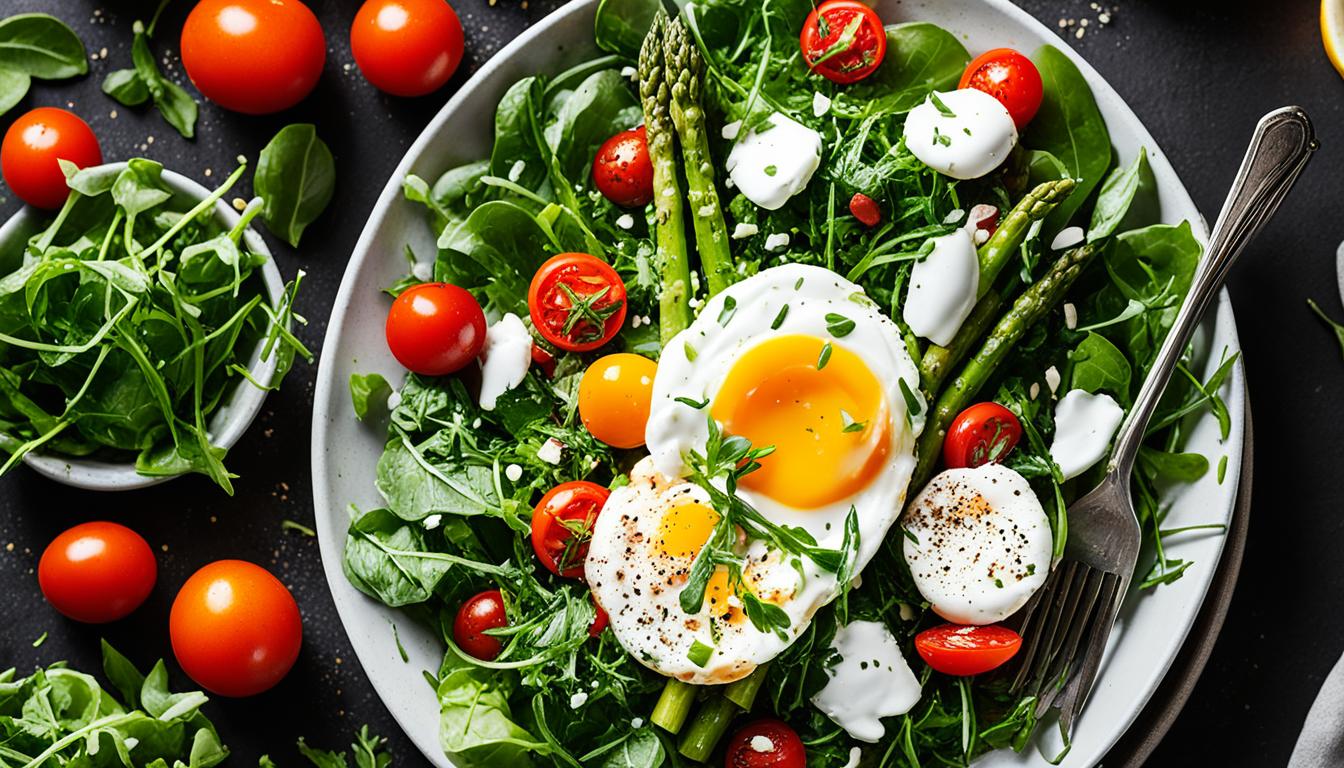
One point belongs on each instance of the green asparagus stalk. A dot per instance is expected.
(743, 692)
(673, 706)
(994, 255)
(683, 60)
(710, 723)
(674, 266)
(1030, 308)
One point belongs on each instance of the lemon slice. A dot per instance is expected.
(1332, 32)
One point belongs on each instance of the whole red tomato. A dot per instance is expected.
(480, 612)
(33, 145)
(97, 572)
(765, 743)
(253, 56)
(577, 301)
(622, 170)
(435, 329)
(1009, 77)
(407, 47)
(235, 628)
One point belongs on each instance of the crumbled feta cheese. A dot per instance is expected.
(776, 241)
(1052, 379)
(1070, 316)
(422, 271)
(980, 236)
(731, 130)
(1035, 390)
(1067, 238)
(513, 472)
(393, 400)
(551, 451)
(630, 72)
(476, 423)
(907, 611)
(432, 522)
(516, 170)
(761, 743)
(744, 230)
(635, 320)
(955, 215)
(706, 211)
(637, 723)
(578, 700)
(821, 104)
(626, 221)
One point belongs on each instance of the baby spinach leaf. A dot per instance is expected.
(1172, 466)
(920, 59)
(126, 87)
(1127, 199)
(507, 245)
(296, 176)
(42, 46)
(386, 558)
(133, 87)
(417, 485)
(620, 25)
(1099, 366)
(1069, 126)
(517, 153)
(476, 726)
(369, 392)
(642, 749)
(602, 105)
(13, 87)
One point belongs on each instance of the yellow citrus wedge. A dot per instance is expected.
(1332, 32)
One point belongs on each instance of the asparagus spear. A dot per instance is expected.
(683, 59)
(674, 309)
(710, 723)
(674, 705)
(1029, 309)
(994, 255)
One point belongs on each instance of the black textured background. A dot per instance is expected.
(1198, 73)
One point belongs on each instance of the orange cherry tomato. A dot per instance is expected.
(253, 56)
(843, 41)
(577, 301)
(480, 612)
(435, 329)
(614, 398)
(1009, 77)
(865, 209)
(562, 523)
(622, 170)
(785, 749)
(97, 572)
(407, 47)
(985, 433)
(235, 628)
(33, 145)
(967, 650)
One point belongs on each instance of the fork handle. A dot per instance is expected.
(1279, 150)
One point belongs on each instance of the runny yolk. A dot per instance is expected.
(682, 533)
(830, 425)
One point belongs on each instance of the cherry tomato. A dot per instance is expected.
(967, 650)
(865, 209)
(577, 301)
(785, 749)
(1009, 77)
(435, 329)
(235, 628)
(985, 433)
(843, 41)
(32, 147)
(984, 216)
(622, 170)
(253, 56)
(562, 523)
(543, 360)
(480, 612)
(600, 620)
(407, 47)
(97, 572)
(614, 398)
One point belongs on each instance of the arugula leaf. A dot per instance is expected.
(296, 176)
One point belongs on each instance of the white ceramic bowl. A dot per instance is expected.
(1152, 626)
(234, 414)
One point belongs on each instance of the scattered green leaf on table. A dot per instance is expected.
(42, 46)
(296, 177)
(133, 87)
(13, 87)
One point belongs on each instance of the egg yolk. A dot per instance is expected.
(614, 397)
(682, 533)
(825, 414)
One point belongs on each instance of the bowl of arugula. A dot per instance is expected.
(141, 327)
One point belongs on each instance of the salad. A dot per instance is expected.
(750, 383)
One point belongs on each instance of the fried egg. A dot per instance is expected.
(978, 543)
(796, 358)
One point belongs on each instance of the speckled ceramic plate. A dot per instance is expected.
(1152, 627)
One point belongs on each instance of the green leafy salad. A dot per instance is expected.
(771, 359)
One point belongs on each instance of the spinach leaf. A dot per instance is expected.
(1155, 266)
(602, 105)
(369, 392)
(13, 87)
(476, 726)
(642, 749)
(387, 558)
(1172, 466)
(517, 153)
(416, 484)
(1099, 366)
(42, 46)
(144, 82)
(503, 245)
(1127, 199)
(296, 176)
(620, 25)
(921, 58)
(1069, 126)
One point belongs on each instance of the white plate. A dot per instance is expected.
(1151, 627)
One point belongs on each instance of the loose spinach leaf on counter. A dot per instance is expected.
(296, 177)
(144, 82)
(36, 45)
(13, 87)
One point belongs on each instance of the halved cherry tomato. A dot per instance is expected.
(97, 572)
(843, 41)
(1009, 77)
(562, 523)
(235, 628)
(785, 749)
(32, 147)
(985, 433)
(600, 620)
(963, 651)
(623, 171)
(543, 360)
(253, 56)
(435, 328)
(865, 209)
(577, 301)
(406, 47)
(482, 611)
(984, 216)
(615, 395)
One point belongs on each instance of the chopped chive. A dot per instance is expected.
(966, 131)
(998, 583)
(779, 318)
(1222, 469)
(290, 525)
(771, 170)
(798, 284)
(941, 107)
(690, 352)
(401, 649)
(699, 653)
(40, 640)
(825, 356)
(912, 406)
(729, 309)
(838, 326)
(696, 404)
(941, 138)
(850, 424)
(1031, 569)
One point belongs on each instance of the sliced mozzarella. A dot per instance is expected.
(870, 681)
(979, 543)
(1084, 426)
(505, 358)
(773, 164)
(943, 288)
(964, 134)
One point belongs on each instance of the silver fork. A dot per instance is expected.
(1076, 608)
